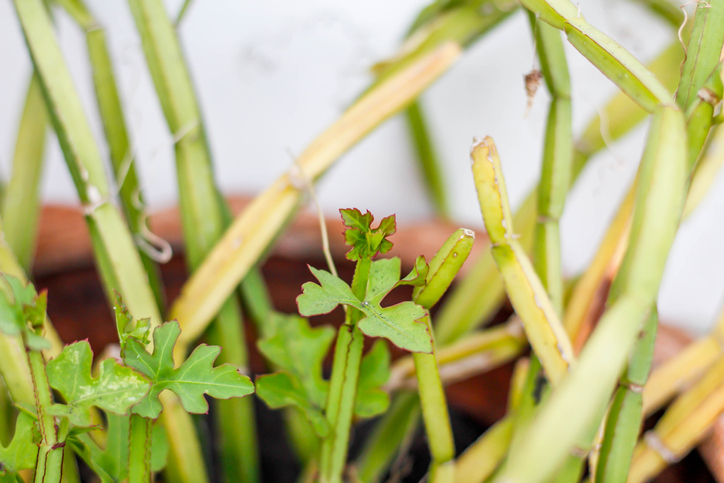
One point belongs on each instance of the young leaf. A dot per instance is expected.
(397, 323)
(298, 350)
(365, 241)
(374, 372)
(21, 311)
(194, 378)
(141, 330)
(22, 451)
(115, 390)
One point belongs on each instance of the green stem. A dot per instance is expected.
(6, 414)
(699, 114)
(442, 270)
(477, 297)
(397, 425)
(116, 254)
(623, 421)
(703, 50)
(436, 417)
(139, 450)
(480, 294)
(120, 149)
(256, 303)
(202, 213)
(429, 163)
(552, 191)
(239, 452)
(343, 384)
(527, 294)
(480, 461)
(182, 12)
(581, 399)
(21, 204)
(14, 364)
(625, 415)
(49, 468)
(462, 24)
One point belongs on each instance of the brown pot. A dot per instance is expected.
(77, 305)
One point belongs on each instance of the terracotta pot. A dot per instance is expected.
(77, 305)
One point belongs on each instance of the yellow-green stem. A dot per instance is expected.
(343, 384)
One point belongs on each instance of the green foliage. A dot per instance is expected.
(374, 372)
(22, 451)
(115, 390)
(298, 350)
(398, 323)
(22, 311)
(365, 241)
(141, 330)
(194, 378)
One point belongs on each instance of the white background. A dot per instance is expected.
(273, 74)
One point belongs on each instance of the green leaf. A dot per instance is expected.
(282, 389)
(22, 451)
(355, 220)
(365, 241)
(115, 390)
(141, 330)
(316, 299)
(10, 478)
(374, 373)
(398, 323)
(194, 378)
(21, 311)
(111, 463)
(299, 351)
(384, 275)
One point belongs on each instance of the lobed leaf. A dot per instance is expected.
(353, 219)
(398, 323)
(322, 299)
(115, 390)
(383, 277)
(141, 330)
(299, 351)
(196, 377)
(365, 241)
(21, 311)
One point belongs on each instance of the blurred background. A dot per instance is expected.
(272, 75)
